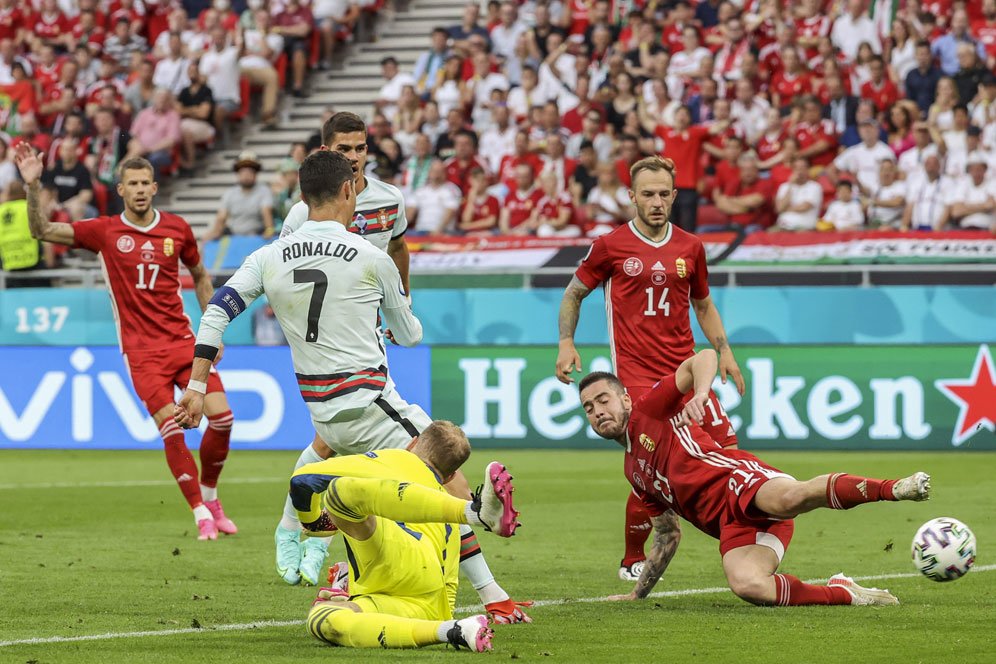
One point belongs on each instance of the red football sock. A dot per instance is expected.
(846, 491)
(214, 447)
(638, 529)
(181, 462)
(790, 591)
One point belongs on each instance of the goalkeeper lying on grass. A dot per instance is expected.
(401, 531)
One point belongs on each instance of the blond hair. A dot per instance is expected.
(444, 445)
(654, 164)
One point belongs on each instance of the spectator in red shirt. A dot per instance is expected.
(553, 215)
(681, 16)
(49, 26)
(30, 134)
(817, 137)
(464, 159)
(683, 144)
(781, 171)
(792, 81)
(522, 155)
(46, 68)
(59, 98)
(880, 90)
(811, 23)
(294, 24)
(984, 29)
(519, 204)
(12, 20)
(748, 201)
(480, 210)
(86, 32)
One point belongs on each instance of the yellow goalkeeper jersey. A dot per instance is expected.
(417, 563)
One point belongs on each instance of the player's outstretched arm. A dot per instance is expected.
(30, 166)
(397, 249)
(696, 373)
(712, 325)
(667, 535)
(568, 359)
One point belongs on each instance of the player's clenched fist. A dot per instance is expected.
(188, 412)
(568, 361)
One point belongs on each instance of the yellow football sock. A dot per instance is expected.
(354, 499)
(343, 627)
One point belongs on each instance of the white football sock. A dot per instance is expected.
(201, 512)
(476, 569)
(445, 627)
(209, 493)
(289, 520)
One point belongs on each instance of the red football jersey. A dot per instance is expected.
(550, 207)
(484, 208)
(520, 206)
(49, 27)
(882, 96)
(681, 468)
(142, 270)
(985, 32)
(789, 87)
(11, 20)
(684, 148)
(647, 290)
(808, 135)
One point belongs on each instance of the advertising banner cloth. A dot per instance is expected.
(82, 398)
(861, 247)
(827, 398)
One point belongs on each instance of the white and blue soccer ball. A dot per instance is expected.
(944, 549)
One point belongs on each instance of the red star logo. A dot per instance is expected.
(975, 397)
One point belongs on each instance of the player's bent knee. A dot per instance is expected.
(322, 624)
(751, 588)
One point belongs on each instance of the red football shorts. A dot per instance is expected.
(716, 423)
(747, 524)
(155, 373)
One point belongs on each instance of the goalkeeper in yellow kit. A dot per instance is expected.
(401, 533)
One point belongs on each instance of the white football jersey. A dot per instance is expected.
(325, 286)
(379, 217)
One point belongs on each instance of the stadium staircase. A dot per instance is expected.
(352, 85)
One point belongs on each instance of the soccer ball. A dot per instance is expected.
(944, 549)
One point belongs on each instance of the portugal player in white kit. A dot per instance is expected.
(653, 273)
(326, 285)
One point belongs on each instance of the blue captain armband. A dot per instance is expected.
(229, 301)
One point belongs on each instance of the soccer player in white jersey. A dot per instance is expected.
(392, 423)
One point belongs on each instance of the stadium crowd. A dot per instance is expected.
(523, 119)
(780, 115)
(92, 83)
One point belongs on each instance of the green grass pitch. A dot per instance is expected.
(97, 543)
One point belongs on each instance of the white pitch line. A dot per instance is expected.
(237, 627)
(132, 483)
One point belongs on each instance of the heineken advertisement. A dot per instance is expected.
(830, 397)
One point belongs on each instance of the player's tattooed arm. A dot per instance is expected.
(30, 166)
(667, 534)
(568, 360)
(570, 307)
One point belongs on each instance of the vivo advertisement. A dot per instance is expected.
(81, 398)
